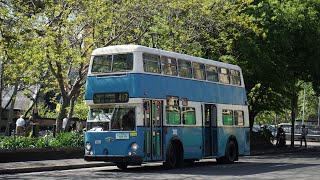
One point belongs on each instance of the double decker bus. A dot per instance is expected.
(148, 105)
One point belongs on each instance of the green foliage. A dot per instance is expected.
(80, 110)
(276, 43)
(46, 112)
(62, 140)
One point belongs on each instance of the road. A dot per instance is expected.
(298, 165)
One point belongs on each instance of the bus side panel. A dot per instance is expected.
(192, 142)
(153, 86)
(241, 135)
(190, 137)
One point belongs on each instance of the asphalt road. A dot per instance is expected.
(297, 165)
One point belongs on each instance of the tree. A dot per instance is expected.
(18, 72)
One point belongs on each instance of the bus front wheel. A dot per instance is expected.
(122, 166)
(175, 157)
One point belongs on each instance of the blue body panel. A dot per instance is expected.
(191, 139)
(114, 148)
(155, 86)
(242, 137)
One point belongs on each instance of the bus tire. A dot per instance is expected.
(231, 152)
(122, 166)
(175, 157)
(221, 160)
(171, 161)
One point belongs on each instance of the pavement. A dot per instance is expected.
(64, 164)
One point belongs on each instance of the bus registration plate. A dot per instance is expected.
(122, 135)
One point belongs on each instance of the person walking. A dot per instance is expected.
(20, 123)
(304, 132)
(29, 125)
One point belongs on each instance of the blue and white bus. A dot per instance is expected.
(150, 105)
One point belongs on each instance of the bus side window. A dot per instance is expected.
(235, 77)
(198, 71)
(238, 118)
(169, 66)
(173, 115)
(185, 69)
(227, 117)
(224, 75)
(212, 73)
(188, 115)
(151, 63)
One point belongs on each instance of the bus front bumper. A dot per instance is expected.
(115, 159)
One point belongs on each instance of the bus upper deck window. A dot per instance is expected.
(224, 75)
(198, 71)
(169, 66)
(101, 64)
(185, 69)
(235, 77)
(112, 63)
(212, 73)
(151, 63)
(122, 62)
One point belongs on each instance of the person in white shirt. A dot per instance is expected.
(304, 132)
(20, 123)
(64, 123)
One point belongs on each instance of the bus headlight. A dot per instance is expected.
(88, 146)
(134, 146)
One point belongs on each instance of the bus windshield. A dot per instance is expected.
(112, 63)
(112, 119)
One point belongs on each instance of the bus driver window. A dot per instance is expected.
(128, 121)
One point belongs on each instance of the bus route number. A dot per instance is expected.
(121, 97)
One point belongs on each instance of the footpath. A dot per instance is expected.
(64, 164)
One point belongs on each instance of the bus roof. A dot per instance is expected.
(137, 48)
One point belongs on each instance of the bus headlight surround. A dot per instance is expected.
(88, 146)
(134, 146)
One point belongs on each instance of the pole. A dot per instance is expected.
(318, 110)
(304, 102)
(275, 126)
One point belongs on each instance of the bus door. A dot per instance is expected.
(210, 130)
(153, 129)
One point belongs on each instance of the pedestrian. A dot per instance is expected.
(28, 126)
(20, 123)
(74, 126)
(79, 126)
(64, 123)
(281, 137)
(304, 132)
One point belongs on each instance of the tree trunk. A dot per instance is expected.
(62, 114)
(34, 102)
(1, 89)
(252, 115)
(294, 106)
(10, 117)
(71, 109)
(251, 120)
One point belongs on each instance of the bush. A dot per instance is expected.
(62, 140)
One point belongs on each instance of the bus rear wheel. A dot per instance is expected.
(231, 152)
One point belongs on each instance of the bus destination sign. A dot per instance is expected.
(121, 97)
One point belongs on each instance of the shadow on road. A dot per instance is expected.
(212, 168)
